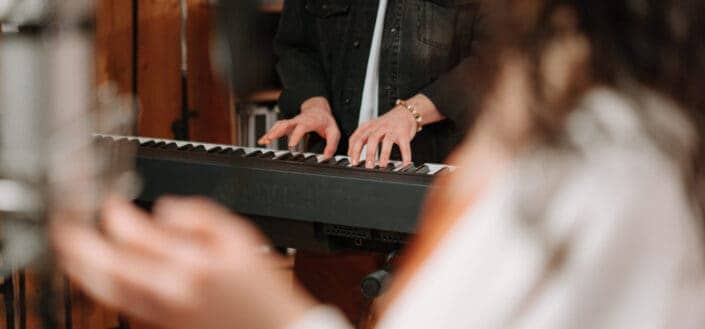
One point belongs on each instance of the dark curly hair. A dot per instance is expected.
(658, 44)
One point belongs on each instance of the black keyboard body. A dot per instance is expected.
(298, 202)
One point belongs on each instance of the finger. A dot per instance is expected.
(280, 129)
(360, 131)
(357, 142)
(120, 280)
(405, 148)
(372, 147)
(297, 135)
(332, 140)
(140, 286)
(386, 151)
(189, 216)
(131, 228)
(86, 258)
(355, 150)
(200, 218)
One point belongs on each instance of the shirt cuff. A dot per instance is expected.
(322, 317)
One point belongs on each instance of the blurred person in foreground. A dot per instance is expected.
(578, 202)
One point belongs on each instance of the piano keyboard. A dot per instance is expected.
(299, 200)
(268, 154)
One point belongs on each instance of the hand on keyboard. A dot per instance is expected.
(316, 116)
(398, 127)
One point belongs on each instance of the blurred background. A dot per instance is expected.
(139, 47)
(167, 56)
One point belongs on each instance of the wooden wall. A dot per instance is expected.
(139, 49)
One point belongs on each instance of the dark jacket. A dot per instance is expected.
(427, 47)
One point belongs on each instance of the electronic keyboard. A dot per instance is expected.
(299, 200)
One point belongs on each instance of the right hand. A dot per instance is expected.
(188, 264)
(316, 116)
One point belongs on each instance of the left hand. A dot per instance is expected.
(397, 126)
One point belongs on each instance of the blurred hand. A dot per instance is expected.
(190, 265)
(397, 126)
(316, 116)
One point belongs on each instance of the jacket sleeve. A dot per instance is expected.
(456, 94)
(300, 66)
(453, 93)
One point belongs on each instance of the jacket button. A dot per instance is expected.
(347, 101)
(356, 44)
(394, 30)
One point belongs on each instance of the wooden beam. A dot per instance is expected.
(207, 94)
(114, 44)
(158, 67)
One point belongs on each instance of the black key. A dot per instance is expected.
(123, 141)
(102, 141)
(159, 145)
(268, 155)
(233, 152)
(104, 145)
(254, 154)
(148, 144)
(389, 167)
(200, 149)
(343, 163)
(216, 149)
(408, 169)
(171, 146)
(299, 158)
(423, 170)
(187, 147)
(311, 159)
(285, 157)
(361, 164)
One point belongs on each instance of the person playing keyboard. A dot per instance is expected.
(363, 76)
(376, 80)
